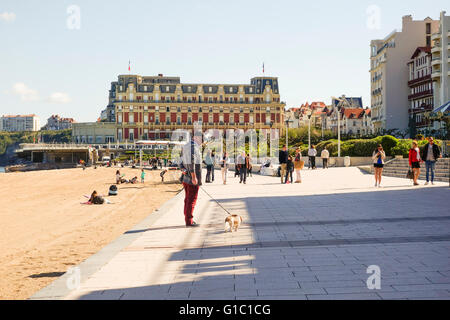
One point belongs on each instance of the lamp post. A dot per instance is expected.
(342, 101)
(288, 120)
(309, 131)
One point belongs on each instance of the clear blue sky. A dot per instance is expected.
(317, 48)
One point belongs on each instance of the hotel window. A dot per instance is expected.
(145, 88)
(231, 90)
(131, 97)
(120, 97)
(167, 109)
(157, 119)
(156, 108)
(189, 109)
(268, 109)
(210, 109)
(119, 118)
(200, 109)
(167, 89)
(251, 119)
(145, 108)
(131, 118)
(145, 98)
(210, 89)
(131, 108)
(90, 139)
(146, 118)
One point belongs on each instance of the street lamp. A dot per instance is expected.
(288, 120)
(309, 130)
(342, 101)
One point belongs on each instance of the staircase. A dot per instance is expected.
(399, 167)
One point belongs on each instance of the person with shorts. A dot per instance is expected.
(378, 157)
(414, 161)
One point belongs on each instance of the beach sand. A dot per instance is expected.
(44, 228)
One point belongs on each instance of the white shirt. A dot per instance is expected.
(430, 154)
(312, 152)
(325, 154)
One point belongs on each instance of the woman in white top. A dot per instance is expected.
(378, 157)
(225, 162)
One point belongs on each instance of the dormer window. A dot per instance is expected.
(210, 89)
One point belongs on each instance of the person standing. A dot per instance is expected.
(378, 157)
(325, 155)
(209, 163)
(250, 167)
(298, 165)
(224, 166)
(414, 161)
(430, 154)
(192, 179)
(142, 176)
(289, 170)
(282, 158)
(312, 153)
(118, 177)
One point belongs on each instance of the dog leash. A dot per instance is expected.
(228, 212)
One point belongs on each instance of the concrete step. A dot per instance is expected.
(441, 179)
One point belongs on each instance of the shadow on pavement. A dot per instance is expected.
(315, 246)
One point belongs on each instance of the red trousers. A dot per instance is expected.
(189, 202)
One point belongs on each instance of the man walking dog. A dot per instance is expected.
(192, 177)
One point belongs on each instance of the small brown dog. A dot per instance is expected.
(232, 223)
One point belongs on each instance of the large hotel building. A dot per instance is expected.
(151, 107)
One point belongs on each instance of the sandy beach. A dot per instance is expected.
(45, 229)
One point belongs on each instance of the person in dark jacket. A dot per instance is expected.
(289, 170)
(283, 158)
(430, 154)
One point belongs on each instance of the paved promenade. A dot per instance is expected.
(313, 240)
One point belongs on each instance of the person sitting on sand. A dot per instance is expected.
(96, 199)
(134, 180)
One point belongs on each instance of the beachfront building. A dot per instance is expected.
(55, 122)
(420, 89)
(148, 107)
(441, 65)
(14, 123)
(389, 72)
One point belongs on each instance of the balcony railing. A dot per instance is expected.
(194, 102)
(420, 94)
(421, 109)
(419, 80)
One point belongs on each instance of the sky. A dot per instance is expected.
(60, 57)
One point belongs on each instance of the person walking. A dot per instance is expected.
(282, 159)
(213, 158)
(298, 165)
(430, 154)
(208, 162)
(325, 155)
(192, 177)
(225, 162)
(142, 176)
(242, 162)
(378, 157)
(414, 161)
(312, 153)
(289, 170)
(250, 167)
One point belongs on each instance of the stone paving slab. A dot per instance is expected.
(313, 240)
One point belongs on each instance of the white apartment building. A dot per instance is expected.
(389, 71)
(12, 123)
(440, 62)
